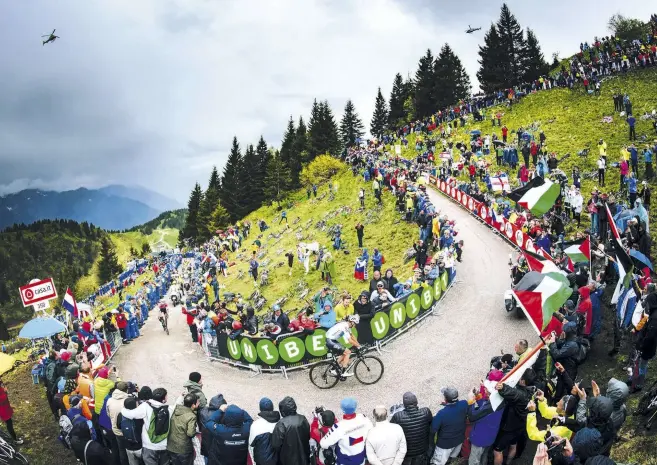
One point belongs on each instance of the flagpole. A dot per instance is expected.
(531, 353)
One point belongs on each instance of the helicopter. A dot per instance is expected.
(472, 29)
(50, 37)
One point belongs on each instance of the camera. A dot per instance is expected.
(555, 446)
(319, 410)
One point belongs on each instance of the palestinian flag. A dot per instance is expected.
(579, 250)
(540, 295)
(540, 263)
(537, 196)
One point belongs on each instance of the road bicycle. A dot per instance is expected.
(367, 369)
(8, 454)
(164, 320)
(648, 405)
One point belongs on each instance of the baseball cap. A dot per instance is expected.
(450, 393)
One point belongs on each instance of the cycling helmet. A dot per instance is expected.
(355, 319)
(276, 307)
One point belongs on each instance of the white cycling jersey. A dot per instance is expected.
(338, 330)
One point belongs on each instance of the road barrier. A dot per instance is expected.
(304, 348)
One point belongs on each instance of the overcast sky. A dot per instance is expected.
(151, 92)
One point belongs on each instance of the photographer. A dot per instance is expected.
(323, 421)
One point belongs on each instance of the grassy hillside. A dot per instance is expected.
(383, 230)
(572, 121)
(174, 219)
(124, 242)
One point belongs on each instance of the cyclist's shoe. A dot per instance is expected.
(345, 375)
(333, 372)
(19, 441)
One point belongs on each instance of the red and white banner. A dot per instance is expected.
(508, 230)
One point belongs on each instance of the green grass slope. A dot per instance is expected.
(572, 121)
(383, 230)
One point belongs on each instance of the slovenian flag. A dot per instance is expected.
(69, 303)
(360, 269)
(537, 196)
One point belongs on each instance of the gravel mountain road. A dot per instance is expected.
(453, 347)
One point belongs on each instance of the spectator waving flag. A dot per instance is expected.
(537, 196)
(579, 250)
(540, 263)
(540, 295)
(612, 223)
(500, 183)
(70, 304)
(360, 269)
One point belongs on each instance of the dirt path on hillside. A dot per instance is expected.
(452, 348)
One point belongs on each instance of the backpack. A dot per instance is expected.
(129, 429)
(158, 429)
(65, 428)
(263, 452)
(50, 374)
(583, 346)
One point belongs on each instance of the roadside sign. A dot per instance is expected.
(38, 291)
(43, 305)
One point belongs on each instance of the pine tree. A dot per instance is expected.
(397, 98)
(452, 82)
(512, 47)
(351, 127)
(277, 181)
(250, 167)
(192, 221)
(380, 116)
(145, 249)
(535, 64)
(287, 145)
(108, 266)
(220, 219)
(232, 189)
(424, 99)
(323, 131)
(256, 186)
(209, 202)
(490, 75)
(555, 60)
(301, 140)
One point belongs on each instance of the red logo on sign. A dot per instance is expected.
(38, 291)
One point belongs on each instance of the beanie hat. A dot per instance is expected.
(195, 376)
(495, 375)
(65, 356)
(103, 373)
(570, 327)
(348, 405)
(266, 405)
(327, 418)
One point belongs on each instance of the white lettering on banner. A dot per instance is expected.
(317, 342)
(380, 325)
(397, 315)
(233, 347)
(428, 298)
(247, 351)
(291, 349)
(413, 306)
(265, 348)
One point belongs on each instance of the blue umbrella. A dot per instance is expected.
(640, 260)
(476, 132)
(41, 327)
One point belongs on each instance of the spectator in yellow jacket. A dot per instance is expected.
(566, 408)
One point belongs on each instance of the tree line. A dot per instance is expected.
(257, 175)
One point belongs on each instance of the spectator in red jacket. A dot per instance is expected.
(585, 308)
(322, 423)
(191, 322)
(6, 413)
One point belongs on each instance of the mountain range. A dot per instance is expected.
(114, 207)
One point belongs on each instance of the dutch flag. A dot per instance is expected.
(69, 303)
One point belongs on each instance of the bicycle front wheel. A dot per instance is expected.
(369, 369)
(20, 459)
(321, 376)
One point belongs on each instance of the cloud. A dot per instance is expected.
(152, 92)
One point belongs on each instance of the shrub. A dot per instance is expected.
(321, 169)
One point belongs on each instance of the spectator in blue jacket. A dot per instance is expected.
(229, 427)
(647, 159)
(632, 188)
(377, 260)
(449, 426)
(484, 431)
(631, 120)
(634, 159)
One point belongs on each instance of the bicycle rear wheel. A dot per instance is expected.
(320, 375)
(19, 459)
(369, 369)
(645, 403)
